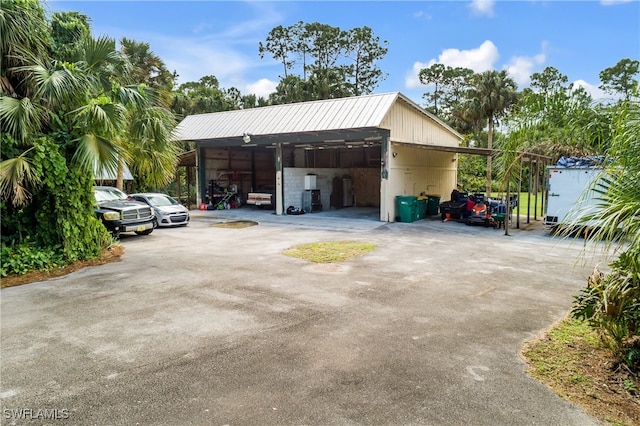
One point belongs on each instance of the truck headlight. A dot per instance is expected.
(111, 216)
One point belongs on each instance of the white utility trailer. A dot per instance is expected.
(570, 193)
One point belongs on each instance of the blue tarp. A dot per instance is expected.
(591, 161)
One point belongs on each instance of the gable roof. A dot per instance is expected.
(356, 112)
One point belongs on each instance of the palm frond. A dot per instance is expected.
(153, 125)
(101, 60)
(20, 117)
(133, 96)
(16, 175)
(97, 154)
(102, 117)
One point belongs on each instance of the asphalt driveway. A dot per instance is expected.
(213, 326)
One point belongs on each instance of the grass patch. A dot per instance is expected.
(236, 224)
(572, 361)
(523, 200)
(330, 251)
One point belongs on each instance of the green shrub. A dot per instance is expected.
(611, 305)
(60, 226)
(22, 258)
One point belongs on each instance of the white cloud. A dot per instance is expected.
(479, 60)
(596, 93)
(422, 15)
(263, 87)
(482, 7)
(195, 58)
(411, 80)
(520, 68)
(614, 2)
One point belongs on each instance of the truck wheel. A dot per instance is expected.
(145, 232)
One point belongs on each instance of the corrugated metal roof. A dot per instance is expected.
(357, 112)
(102, 174)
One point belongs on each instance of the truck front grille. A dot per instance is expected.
(141, 213)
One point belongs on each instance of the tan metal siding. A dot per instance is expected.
(410, 126)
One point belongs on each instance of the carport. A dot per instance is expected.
(373, 143)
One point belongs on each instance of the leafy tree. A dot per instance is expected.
(364, 49)
(559, 120)
(204, 96)
(471, 168)
(68, 29)
(435, 75)
(491, 94)
(24, 32)
(620, 78)
(252, 101)
(332, 62)
(289, 90)
(281, 43)
(549, 81)
(450, 85)
(325, 44)
(147, 67)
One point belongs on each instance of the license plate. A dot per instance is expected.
(140, 228)
(258, 203)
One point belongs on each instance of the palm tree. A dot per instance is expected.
(611, 302)
(490, 96)
(110, 121)
(84, 113)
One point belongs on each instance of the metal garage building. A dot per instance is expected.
(383, 145)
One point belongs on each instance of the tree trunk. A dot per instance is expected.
(120, 177)
(489, 157)
(508, 205)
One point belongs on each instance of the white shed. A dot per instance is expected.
(385, 144)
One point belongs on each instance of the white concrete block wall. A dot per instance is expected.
(294, 184)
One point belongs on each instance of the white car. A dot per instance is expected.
(169, 212)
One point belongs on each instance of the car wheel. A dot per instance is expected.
(145, 232)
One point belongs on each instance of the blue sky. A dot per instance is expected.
(198, 38)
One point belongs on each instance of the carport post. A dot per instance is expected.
(202, 179)
(279, 209)
(386, 205)
(535, 209)
(529, 189)
(519, 200)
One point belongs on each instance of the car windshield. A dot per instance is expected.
(109, 194)
(161, 200)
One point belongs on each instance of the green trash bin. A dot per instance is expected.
(421, 208)
(406, 208)
(433, 201)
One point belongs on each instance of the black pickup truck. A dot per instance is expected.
(121, 214)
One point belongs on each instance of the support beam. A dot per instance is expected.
(386, 202)
(202, 174)
(279, 186)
